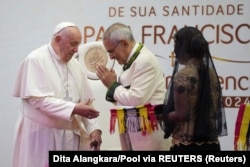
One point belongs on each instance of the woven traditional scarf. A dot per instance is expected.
(139, 118)
(242, 129)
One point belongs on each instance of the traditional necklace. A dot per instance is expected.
(67, 97)
(134, 56)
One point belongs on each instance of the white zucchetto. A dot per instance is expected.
(63, 25)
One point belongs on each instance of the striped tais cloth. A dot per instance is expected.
(242, 129)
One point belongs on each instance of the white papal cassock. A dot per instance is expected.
(46, 122)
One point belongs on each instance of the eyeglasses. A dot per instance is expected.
(113, 49)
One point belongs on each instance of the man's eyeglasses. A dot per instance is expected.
(113, 49)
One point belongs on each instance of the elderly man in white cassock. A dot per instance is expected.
(56, 110)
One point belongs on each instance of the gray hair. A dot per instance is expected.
(117, 32)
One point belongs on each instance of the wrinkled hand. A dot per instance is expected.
(84, 110)
(105, 75)
(96, 140)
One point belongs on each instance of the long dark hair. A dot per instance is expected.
(190, 43)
